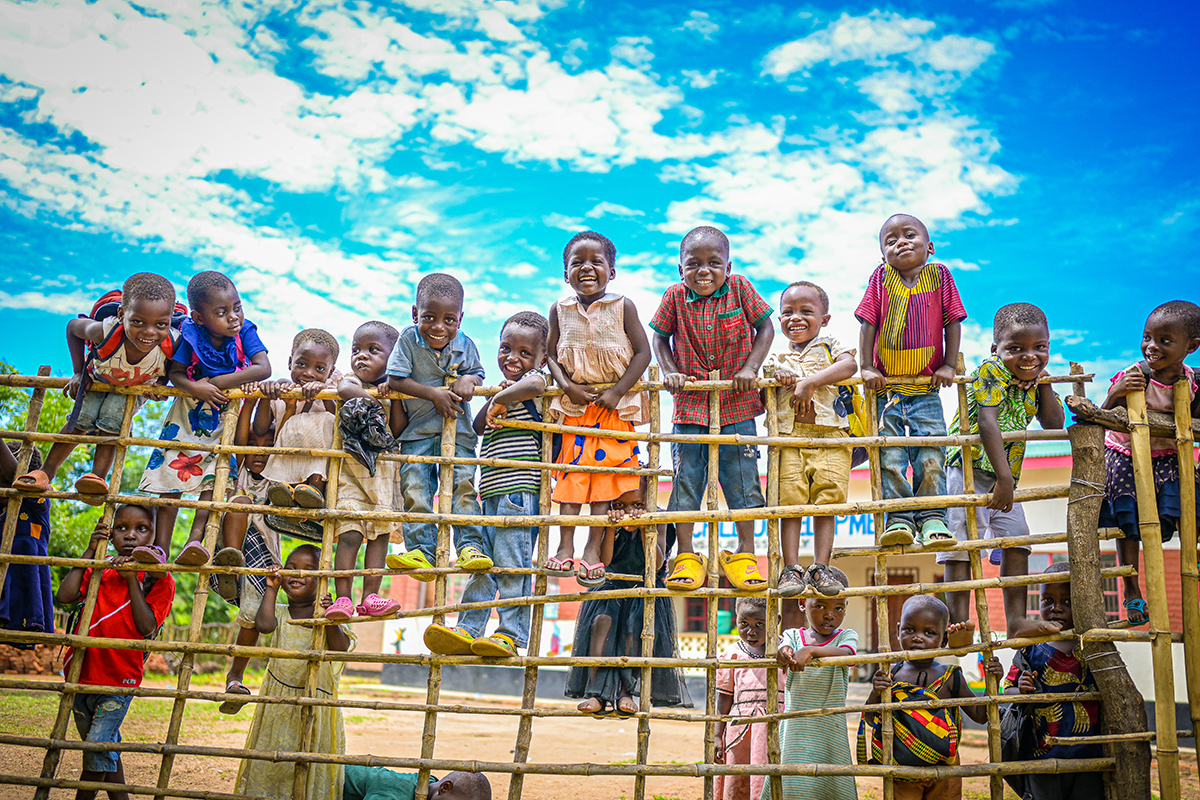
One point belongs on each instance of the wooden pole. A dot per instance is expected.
(1123, 708)
(1167, 747)
(1187, 548)
(650, 550)
(12, 509)
(714, 582)
(774, 571)
(881, 606)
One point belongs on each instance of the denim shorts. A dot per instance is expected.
(737, 469)
(104, 412)
(98, 718)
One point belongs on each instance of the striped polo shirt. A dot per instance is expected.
(513, 443)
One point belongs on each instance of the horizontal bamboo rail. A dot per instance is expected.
(1142, 736)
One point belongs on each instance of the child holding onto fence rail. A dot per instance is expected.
(1004, 397)
(361, 488)
(218, 349)
(595, 337)
(613, 626)
(298, 480)
(809, 372)
(1056, 667)
(821, 739)
(743, 693)
(911, 319)
(928, 737)
(713, 320)
(508, 492)
(427, 354)
(129, 605)
(27, 597)
(132, 347)
(1172, 333)
(279, 726)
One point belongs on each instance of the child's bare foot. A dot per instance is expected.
(626, 705)
(1026, 627)
(561, 563)
(592, 705)
(961, 634)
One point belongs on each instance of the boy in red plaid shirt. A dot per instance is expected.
(713, 320)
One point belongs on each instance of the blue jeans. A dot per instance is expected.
(419, 483)
(737, 469)
(508, 547)
(915, 415)
(98, 718)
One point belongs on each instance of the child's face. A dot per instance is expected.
(752, 628)
(921, 628)
(257, 462)
(587, 269)
(437, 320)
(1024, 350)
(632, 499)
(310, 362)
(147, 322)
(369, 355)
(824, 614)
(521, 349)
(1165, 343)
(132, 526)
(296, 588)
(220, 313)
(1056, 604)
(801, 314)
(704, 267)
(904, 242)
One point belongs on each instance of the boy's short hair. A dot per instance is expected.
(475, 785)
(441, 286)
(35, 458)
(751, 605)
(821, 294)
(1181, 312)
(203, 284)
(929, 602)
(610, 249)
(705, 233)
(1014, 314)
(385, 331)
(318, 337)
(147, 286)
(529, 319)
(311, 549)
(1057, 566)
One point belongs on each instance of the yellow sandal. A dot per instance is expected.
(687, 572)
(741, 570)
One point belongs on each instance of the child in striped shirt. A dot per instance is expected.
(505, 491)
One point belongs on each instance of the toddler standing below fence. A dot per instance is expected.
(911, 319)
(1171, 334)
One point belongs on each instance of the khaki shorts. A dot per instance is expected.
(369, 528)
(817, 475)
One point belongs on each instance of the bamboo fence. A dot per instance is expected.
(1085, 572)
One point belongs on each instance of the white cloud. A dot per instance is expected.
(633, 50)
(562, 221)
(702, 23)
(700, 80)
(612, 210)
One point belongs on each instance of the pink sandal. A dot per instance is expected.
(375, 606)
(341, 610)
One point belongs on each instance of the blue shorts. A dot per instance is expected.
(737, 469)
(103, 412)
(98, 718)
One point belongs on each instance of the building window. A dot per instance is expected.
(695, 610)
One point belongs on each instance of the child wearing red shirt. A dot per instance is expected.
(130, 605)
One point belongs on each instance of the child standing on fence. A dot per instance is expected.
(812, 365)
(595, 337)
(427, 354)
(1004, 397)
(1057, 667)
(131, 348)
(506, 491)
(926, 738)
(713, 320)
(218, 349)
(361, 489)
(129, 605)
(911, 319)
(279, 726)
(27, 597)
(743, 693)
(298, 480)
(613, 626)
(823, 739)
(1171, 334)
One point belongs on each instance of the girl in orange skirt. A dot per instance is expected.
(595, 338)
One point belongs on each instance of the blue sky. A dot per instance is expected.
(327, 155)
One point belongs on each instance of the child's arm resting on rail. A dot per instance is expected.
(143, 614)
(764, 334)
(979, 713)
(80, 331)
(264, 620)
(335, 637)
(800, 657)
(528, 387)
(69, 589)
(842, 368)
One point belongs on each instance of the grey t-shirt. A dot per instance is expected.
(413, 358)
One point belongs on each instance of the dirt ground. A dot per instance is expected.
(487, 738)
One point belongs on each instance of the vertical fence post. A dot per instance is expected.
(67, 701)
(650, 545)
(1166, 744)
(881, 603)
(714, 581)
(774, 570)
(1187, 547)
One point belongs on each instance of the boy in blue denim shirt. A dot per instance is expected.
(426, 354)
(506, 492)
